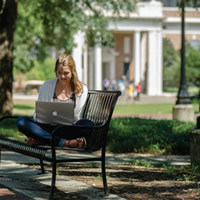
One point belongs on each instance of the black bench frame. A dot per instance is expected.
(99, 108)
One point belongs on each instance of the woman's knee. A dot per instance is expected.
(22, 121)
(85, 122)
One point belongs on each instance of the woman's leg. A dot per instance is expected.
(31, 129)
(42, 132)
(80, 138)
(84, 122)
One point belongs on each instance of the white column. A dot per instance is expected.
(85, 68)
(143, 56)
(112, 67)
(154, 85)
(98, 67)
(136, 55)
(151, 84)
(160, 63)
(91, 69)
(77, 52)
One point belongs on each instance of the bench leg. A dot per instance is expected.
(42, 166)
(53, 179)
(103, 169)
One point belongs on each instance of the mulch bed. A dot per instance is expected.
(134, 182)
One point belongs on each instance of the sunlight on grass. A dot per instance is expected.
(24, 109)
(165, 108)
(183, 173)
(143, 108)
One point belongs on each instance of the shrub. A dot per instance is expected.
(149, 136)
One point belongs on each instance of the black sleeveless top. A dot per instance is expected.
(68, 100)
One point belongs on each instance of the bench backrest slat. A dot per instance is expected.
(99, 109)
(100, 106)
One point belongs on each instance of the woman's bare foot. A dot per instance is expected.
(79, 143)
(32, 141)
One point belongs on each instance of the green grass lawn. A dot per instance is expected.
(24, 109)
(165, 108)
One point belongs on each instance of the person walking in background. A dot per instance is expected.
(139, 90)
(131, 90)
(106, 84)
(121, 86)
(114, 85)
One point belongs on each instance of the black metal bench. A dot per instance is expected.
(99, 108)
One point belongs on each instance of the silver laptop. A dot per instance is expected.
(54, 112)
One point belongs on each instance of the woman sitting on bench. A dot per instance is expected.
(66, 87)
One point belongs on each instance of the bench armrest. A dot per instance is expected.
(8, 117)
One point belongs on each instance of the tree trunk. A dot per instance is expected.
(8, 16)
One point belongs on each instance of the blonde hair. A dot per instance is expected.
(67, 60)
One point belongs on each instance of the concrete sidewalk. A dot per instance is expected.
(8, 194)
(25, 183)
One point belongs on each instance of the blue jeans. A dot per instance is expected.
(42, 132)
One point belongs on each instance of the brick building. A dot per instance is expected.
(137, 54)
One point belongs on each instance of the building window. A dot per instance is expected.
(127, 45)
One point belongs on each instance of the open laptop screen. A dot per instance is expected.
(54, 112)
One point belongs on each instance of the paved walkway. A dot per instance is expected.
(9, 194)
(18, 182)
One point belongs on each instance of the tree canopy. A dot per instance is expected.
(43, 24)
(189, 3)
(193, 64)
(171, 65)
